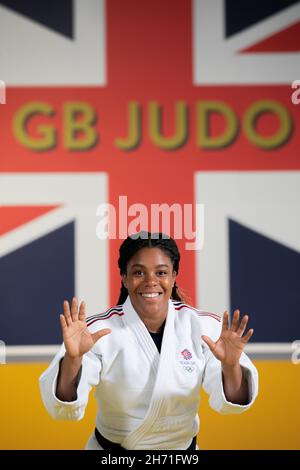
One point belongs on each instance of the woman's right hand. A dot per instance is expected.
(77, 338)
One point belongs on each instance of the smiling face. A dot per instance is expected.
(149, 280)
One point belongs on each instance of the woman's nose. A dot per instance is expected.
(151, 279)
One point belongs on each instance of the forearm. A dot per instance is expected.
(235, 385)
(67, 381)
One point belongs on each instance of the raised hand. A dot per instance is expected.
(229, 347)
(77, 338)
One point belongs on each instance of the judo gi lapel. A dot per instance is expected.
(162, 365)
(141, 333)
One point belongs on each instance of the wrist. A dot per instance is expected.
(230, 368)
(73, 360)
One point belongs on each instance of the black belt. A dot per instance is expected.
(113, 446)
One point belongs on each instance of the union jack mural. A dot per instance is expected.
(188, 104)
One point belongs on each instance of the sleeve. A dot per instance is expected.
(90, 376)
(212, 380)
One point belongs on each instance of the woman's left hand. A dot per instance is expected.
(229, 347)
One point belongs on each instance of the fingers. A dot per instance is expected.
(239, 329)
(210, 343)
(243, 324)
(63, 322)
(67, 312)
(82, 311)
(72, 315)
(99, 334)
(225, 323)
(247, 336)
(74, 309)
(235, 320)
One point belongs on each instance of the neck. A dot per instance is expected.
(152, 325)
(152, 321)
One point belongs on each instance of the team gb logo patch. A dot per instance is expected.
(186, 354)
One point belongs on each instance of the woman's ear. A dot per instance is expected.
(124, 280)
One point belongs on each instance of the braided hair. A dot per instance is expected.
(132, 244)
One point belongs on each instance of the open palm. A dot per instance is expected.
(231, 343)
(77, 338)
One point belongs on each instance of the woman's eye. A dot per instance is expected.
(138, 272)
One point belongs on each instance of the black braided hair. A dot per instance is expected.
(143, 239)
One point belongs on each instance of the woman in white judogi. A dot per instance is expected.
(147, 358)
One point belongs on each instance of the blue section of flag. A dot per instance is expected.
(264, 283)
(34, 281)
(58, 16)
(241, 15)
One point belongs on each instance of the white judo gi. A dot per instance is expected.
(148, 400)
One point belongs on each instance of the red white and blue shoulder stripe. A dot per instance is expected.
(179, 305)
(117, 310)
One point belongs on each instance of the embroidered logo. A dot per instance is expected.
(186, 354)
(188, 366)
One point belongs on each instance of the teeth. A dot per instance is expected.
(155, 294)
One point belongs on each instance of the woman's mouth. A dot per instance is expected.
(150, 295)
